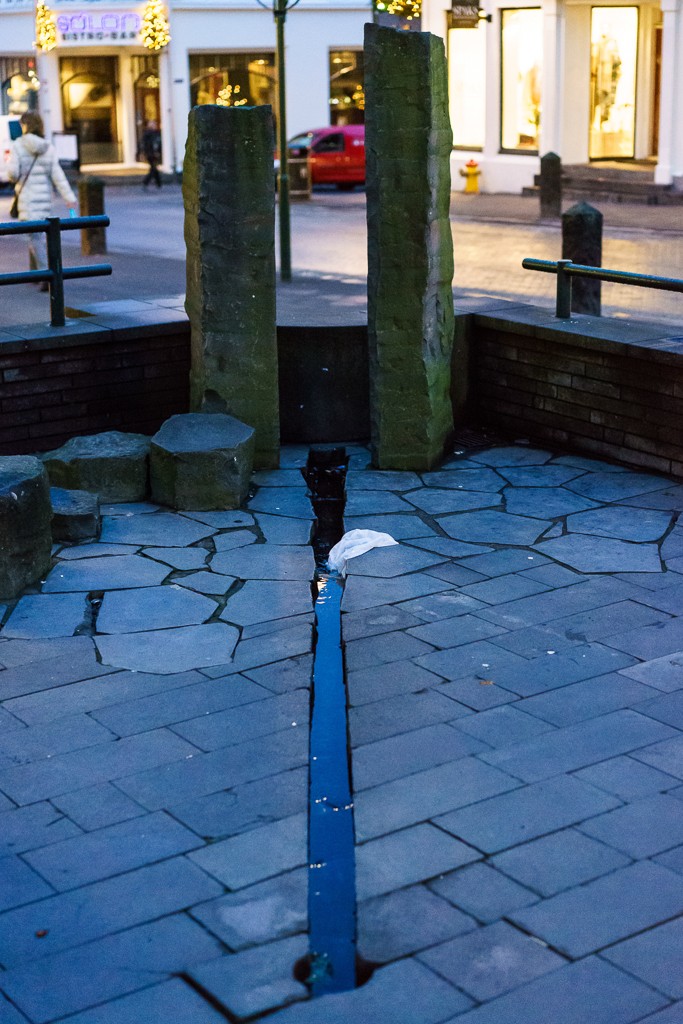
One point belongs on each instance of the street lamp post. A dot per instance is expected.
(280, 8)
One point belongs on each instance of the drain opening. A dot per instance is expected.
(331, 963)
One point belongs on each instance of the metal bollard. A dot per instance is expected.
(91, 204)
(582, 243)
(551, 186)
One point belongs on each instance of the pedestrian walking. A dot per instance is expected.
(151, 148)
(34, 168)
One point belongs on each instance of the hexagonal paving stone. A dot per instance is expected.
(513, 456)
(283, 501)
(135, 611)
(266, 562)
(602, 554)
(550, 475)
(118, 572)
(261, 601)
(167, 651)
(548, 502)
(621, 523)
(46, 615)
(607, 486)
(436, 501)
(464, 479)
(163, 529)
(391, 561)
(491, 526)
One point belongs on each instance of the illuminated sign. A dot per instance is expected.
(94, 27)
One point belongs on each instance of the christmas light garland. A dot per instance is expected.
(407, 9)
(46, 30)
(155, 31)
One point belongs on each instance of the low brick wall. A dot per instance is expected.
(132, 373)
(609, 387)
(90, 377)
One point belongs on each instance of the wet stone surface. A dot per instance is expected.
(515, 675)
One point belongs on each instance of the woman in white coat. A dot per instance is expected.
(34, 167)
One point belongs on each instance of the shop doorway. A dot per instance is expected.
(89, 90)
(146, 91)
(614, 52)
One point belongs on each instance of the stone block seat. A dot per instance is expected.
(75, 515)
(25, 514)
(202, 461)
(113, 465)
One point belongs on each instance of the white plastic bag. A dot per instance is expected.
(354, 543)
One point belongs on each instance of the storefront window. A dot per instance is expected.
(89, 87)
(347, 94)
(19, 85)
(522, 62)
(146, 89)
(467, 85)
(233, 79)
(614, 46)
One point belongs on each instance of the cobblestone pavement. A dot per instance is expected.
(515, 671)
(491, 239)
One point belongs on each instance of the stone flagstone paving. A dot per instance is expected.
(515, 675)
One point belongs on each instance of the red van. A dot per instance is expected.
(336, 154)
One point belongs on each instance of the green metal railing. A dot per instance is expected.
(56, 273)
(565, 270)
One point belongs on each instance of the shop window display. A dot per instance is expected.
(347, 92)
(522, 63)
(467, 85)
(19, 85)
(89, 87)
(233, 79)
(614, 45)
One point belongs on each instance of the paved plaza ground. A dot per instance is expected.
(515, 672)
(492, 235)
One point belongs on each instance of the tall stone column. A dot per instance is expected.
(229, 196)
(410, 249)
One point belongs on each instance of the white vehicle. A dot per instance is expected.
(10, 129)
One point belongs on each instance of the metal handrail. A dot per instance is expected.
(56, 273)
(565, 270)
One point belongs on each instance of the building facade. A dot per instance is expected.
(100, 82)
(588, 81)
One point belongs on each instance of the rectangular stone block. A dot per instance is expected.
(410, 249)
(229, 201)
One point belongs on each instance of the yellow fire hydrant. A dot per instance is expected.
(470, 172)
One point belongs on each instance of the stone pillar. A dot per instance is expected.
(410, 247)
(582, 243)
(229, 196)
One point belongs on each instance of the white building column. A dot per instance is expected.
(669, 112)
(126, 110)
(50, 95)
(677, 142)
(168, 156)
(177, 101)
(552, 77)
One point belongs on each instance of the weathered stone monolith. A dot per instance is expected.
(582, 243)
(229, 196)
(410, 248)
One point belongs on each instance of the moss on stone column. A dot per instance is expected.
(229, 196)
(410, 249)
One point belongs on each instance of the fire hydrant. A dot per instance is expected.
(470, 172)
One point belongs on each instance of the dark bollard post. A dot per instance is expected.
(91, 204)
(551, 186)
(582, 243)
(54, 262)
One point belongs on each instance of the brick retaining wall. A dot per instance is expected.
(607, 387)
